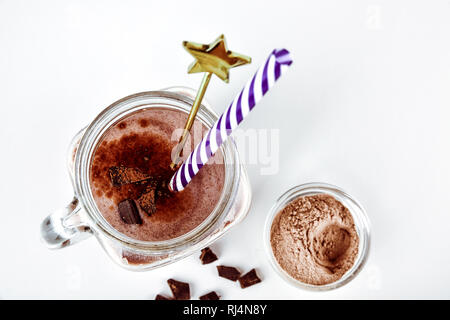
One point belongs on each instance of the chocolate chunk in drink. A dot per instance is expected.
(129, 212)
(147, 200)
(122, 175)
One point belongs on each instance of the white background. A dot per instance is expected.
(365, 106)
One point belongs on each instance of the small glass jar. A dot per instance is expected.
(81, 218)
(359, 217)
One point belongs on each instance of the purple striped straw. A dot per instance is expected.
(251, 94)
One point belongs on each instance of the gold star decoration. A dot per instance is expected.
(209, 58)
(214, 58)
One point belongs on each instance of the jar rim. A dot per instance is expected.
(121, 109)
(360, 219)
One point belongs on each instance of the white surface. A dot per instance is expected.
(365, 106)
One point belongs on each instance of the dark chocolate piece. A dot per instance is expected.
(129, 212)
(161, 297)
(249, 279)
(147, 200)
(122, 175)
(180, 290)
(207, 256)
(230, 273)
(210, 296)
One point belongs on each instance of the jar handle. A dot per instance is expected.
(65, 227)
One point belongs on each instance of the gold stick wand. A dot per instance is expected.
(209, 58)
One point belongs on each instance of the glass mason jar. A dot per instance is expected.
(81, 218)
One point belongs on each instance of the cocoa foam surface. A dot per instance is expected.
(143, 140)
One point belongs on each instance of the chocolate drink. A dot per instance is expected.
(129, 175)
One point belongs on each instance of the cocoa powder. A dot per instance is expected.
(314, 239)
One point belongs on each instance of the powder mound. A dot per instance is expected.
(314, 239)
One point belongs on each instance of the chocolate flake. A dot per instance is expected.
(161, 297)
(210, 296)
(147, 200)
(162, 188)
(180, 290)
(122, 175)
(129, 212)
(230, 273)
(207, 256)
(249, 279)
